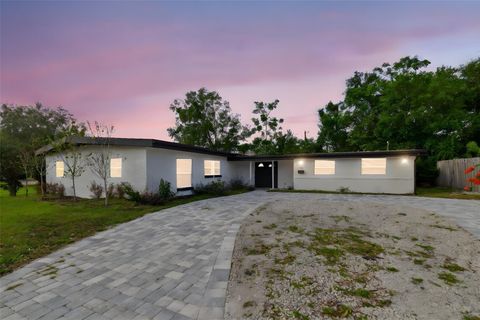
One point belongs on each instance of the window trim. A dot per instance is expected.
(190, 173)
(324, 161)
(120, 167)
(212, 168)
(376, 167)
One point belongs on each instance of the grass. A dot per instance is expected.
(392, 269)
(32, 228)
(339, 311)
(417, 280)
(433, 192)
(439, 192)
(452, 267)
(448, 278)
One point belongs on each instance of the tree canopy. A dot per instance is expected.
(24, 129)
(404, 105)
(204, 119)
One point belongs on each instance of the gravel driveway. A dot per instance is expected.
(172, 264)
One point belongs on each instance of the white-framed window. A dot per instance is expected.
(374, 165)
(116, 167)
(59, 169)
(323, 167)
(184, 173)
(212, 167)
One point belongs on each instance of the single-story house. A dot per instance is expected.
(143, 162)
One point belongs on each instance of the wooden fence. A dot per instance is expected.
(452, 173)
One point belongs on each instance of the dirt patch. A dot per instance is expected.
(322, 260)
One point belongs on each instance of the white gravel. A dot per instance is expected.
(280, 270)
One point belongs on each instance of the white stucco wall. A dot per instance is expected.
(133, 170)
(285, 174)
(399, 177)
(161, 164)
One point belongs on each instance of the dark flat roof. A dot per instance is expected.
(154, 143)
(128, 142)
(353, 154)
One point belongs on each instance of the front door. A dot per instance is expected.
(263, 174)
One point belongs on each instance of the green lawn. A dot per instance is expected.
(436, 192)
(448, 193)
(31, 228)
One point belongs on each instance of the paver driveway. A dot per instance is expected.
(173, 264)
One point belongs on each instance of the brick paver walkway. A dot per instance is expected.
(173, 264)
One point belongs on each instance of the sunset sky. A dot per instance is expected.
(123, 63)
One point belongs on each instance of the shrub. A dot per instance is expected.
(344, 190)
(111, 190)
(120, 191)
(148, 198)
(164, 190)
(237, 184)
(426, 172)
(56, 189)
(96, 190)
(130, 192)
(214, 188)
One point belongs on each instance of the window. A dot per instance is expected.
(184, 173)
(324, 167)
(374, 165)
(212, 168)
(59, 169)
(116, 167)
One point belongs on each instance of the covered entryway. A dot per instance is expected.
(263, 174)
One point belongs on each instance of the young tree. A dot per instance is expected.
(204, 119)
(69, 152)
(99, 160)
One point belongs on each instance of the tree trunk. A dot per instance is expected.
(26, 182)
(12, 191)
(74, 192)
(106, 192)
(41, 186)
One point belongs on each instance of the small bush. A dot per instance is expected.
(164, 190)
(344, 190)
(56, 189)
(96, 190)
(147, 198)
(131, 193)
(216, 188)
(120, 191)
(150, 198)
(111, 190)
(237, 184)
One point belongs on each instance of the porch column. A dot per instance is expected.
(273, 175)
(250, 177)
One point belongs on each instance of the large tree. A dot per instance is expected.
(267, 127)
(404, 105)
(204, 119)
(28, 128)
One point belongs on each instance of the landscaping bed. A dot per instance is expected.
(320, 260)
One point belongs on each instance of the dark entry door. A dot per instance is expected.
(263, 174)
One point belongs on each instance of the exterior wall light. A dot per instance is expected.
(260, 165)
(404, 160)
(300, 162)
